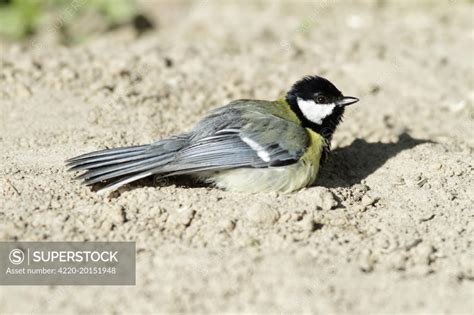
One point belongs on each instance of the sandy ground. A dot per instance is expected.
(389, 227)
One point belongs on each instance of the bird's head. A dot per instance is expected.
(318, 104)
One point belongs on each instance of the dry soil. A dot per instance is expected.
(388, 228)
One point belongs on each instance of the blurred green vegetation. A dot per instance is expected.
(20, 19)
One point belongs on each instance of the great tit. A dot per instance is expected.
(245, 146)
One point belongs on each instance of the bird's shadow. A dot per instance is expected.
(351, 164)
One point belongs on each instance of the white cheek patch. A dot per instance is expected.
(315, 112)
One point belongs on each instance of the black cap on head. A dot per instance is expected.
(307, 87)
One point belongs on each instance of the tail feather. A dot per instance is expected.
(112, 160)
(76, 164)
(107, 152)
(123, 164)
(123, 181)
(141, 166)
(105, 169)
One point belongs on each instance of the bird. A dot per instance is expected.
(246, 146)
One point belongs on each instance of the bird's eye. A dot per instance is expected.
(321, 99)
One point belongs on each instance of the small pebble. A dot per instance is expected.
(422, 253)
(358, 191)
(367, 200)
(227, 225)
(458, 172)
(262, 213)
(422, 182)
(184, 216)
(324, 199)
(309, 225)
(400, 181)
(397, 261)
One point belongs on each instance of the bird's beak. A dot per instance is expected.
(347, 100)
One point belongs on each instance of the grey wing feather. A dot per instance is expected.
(257, 142)
(227, 152)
